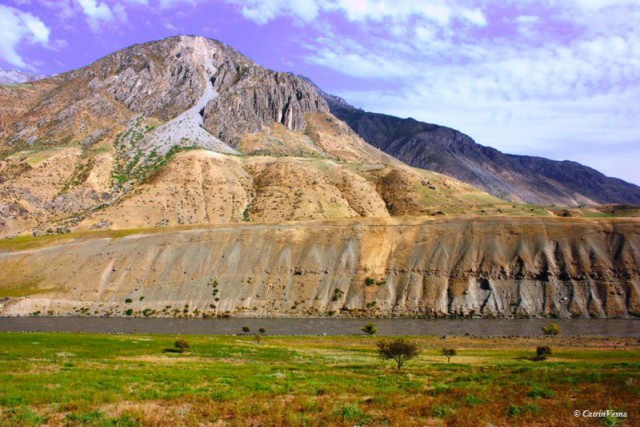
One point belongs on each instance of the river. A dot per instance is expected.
(322, 326)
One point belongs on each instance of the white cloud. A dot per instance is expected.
(97, 13)
(18, 27)
(561, 81)
(440, 12)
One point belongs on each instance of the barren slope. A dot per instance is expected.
(482, 267)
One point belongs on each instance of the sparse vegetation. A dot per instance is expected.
(369, 281)
(552, 330)
(246, 329)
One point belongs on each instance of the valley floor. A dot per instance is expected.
(87, 379)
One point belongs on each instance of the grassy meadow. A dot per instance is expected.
(129, 380)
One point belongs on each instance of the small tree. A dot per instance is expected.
(369, 329)
(448, 353)
(552, 330)
(246, 329)
(258, 335)
(181, 345)
(399, 350)
(543, 352)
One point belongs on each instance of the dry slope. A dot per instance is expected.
(463, 267)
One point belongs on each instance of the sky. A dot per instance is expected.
(553, 78)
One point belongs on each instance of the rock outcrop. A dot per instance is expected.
(487, 267)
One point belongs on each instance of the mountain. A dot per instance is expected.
(16, 77)
(523, 179)
(179, 178)
(187, 130)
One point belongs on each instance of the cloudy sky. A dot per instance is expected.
(555, 78)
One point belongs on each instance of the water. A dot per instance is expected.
(307, 326)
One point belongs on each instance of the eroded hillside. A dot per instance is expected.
(187, 130)
(410, 267)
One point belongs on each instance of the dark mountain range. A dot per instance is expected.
(527, 179)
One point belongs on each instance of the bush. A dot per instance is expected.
(369, 281)
(181, 345)
(543, 352)
(448, 353)
(538, 392)
(552, 330)
(246, 329)
(514, 410)
(262, 330)
(399, 350)
(369, 329)
(442, 411)
(128, 301)
(129, 312)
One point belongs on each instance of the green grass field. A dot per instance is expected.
(127, 380)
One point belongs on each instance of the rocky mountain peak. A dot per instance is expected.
(203, 92)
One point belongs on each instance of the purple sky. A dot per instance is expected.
(560, 79)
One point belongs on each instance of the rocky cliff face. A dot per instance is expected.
(525, 179)
(412, 267)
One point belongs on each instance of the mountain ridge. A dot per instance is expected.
(520, 178)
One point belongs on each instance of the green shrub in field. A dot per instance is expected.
(472, 400)
(369, 329)
(538, 392)
(514, 410)
(440, 388)
(400, 350)
(128, 312)
(246, 329)
(128, 301)
(542, 352)
(353, 414)
(369, 281)
(181, 345)
(442, 411)
(552, 330)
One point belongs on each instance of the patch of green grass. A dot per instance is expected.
(80, 379)
(23, 289)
